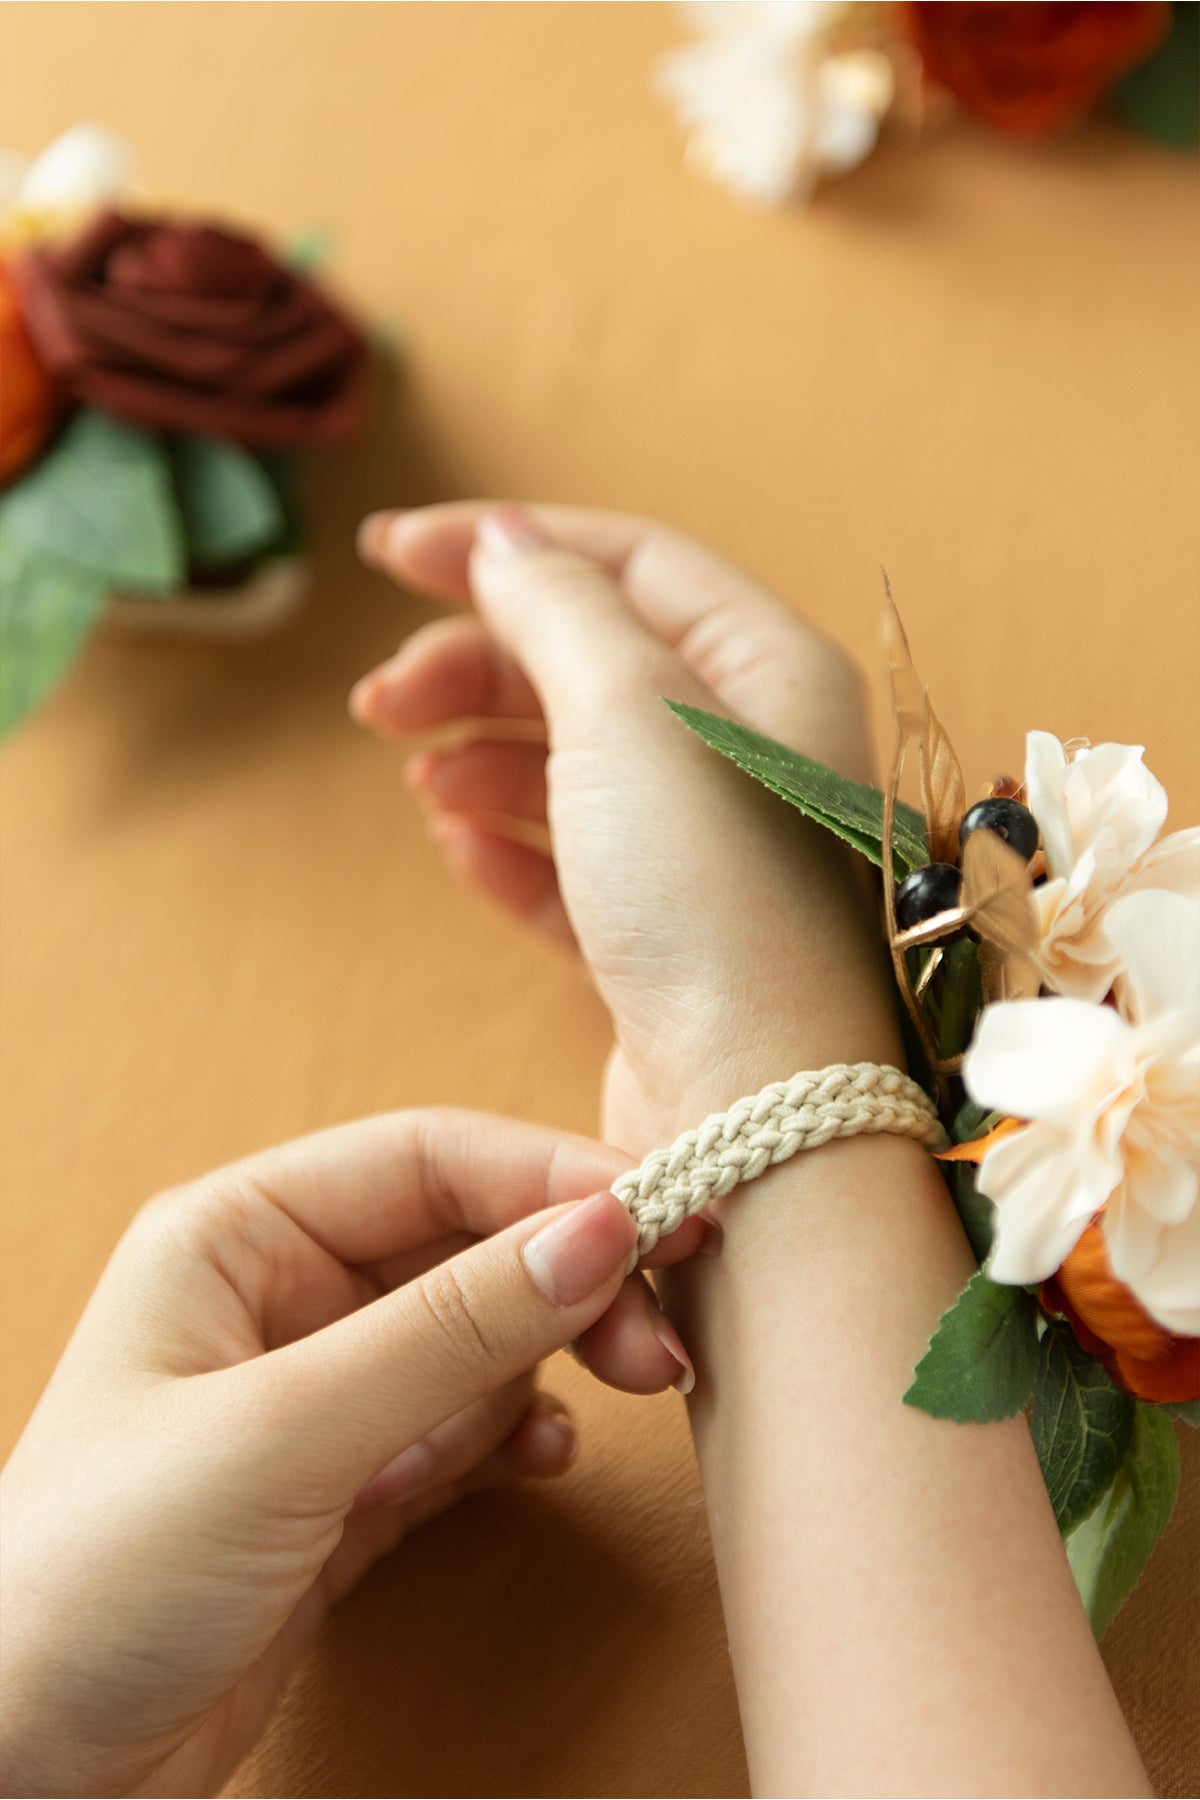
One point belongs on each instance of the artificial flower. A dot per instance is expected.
(28, 398)
(86, 168)
(1109, 1323)
(1100, 815)
(772, 97)
(187, 327)
(1033, 68)
(1112, 1099)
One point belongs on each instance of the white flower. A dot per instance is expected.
(86, 168)
(1100, 816)
(768, 101)
(1113, 1094)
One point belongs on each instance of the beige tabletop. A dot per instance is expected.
(222, 922)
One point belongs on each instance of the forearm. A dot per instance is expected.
(901, 1616)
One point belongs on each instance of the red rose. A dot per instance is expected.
(1139, 1355)
(1031, 68)
(189, 328)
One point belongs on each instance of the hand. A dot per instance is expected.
(728, 937)
(283, 1369)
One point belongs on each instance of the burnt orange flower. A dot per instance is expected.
(1030, 69)
(27, 394)
(1140, 1356)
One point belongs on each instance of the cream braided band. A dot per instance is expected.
(841, 1101)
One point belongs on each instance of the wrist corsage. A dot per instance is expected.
(1046, 945)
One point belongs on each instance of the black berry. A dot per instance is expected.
(1008, 819)
(925, 893)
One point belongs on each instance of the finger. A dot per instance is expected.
(333, 1409)
(542, 1445)
(590, 656)
(380, 1187)
(516, 876)
(452, 669)
(452, 1449)
(483, 777)
(635, 1347)
(760, 655)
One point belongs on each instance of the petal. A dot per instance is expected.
(1160, 1264)
(84, 168)
(1042, 1206)
(1114, 803)
(750, 119)
(1053, 1060)
(1045, 780)
(1156, 936)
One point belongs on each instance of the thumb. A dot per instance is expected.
(352, 1396)
(572, 628)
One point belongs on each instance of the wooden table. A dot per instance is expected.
(222, 922)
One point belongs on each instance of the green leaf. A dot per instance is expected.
(231, 508)
(47, 608)
(1186, 1410)
(1081, 1425)
(101, 499)
(981, 1359)
(852, 811)
(976, 1213)
(1162, 97)
(1110, 1549)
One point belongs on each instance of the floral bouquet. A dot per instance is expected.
(158, 375)
(1046, 946)
(777, 95)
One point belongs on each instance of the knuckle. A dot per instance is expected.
(455, 1308)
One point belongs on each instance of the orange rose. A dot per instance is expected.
(1032, 68)
(1139, 1355)
(27, 395)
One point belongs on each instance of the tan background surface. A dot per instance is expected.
(222, 923)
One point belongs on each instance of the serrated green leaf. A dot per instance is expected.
(981, 1359)
(1110, 1549)
(102, 499)
(231, 508)
(47, 608)
(851, 810)
(1186, 1410)
(1081, 1425)
(1162, 96)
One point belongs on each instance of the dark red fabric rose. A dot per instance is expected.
(1032, 68)
(191, 328)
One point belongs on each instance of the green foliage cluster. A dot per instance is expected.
(111, 509)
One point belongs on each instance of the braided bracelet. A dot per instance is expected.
(844, 1100)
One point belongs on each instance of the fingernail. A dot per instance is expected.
(573, 1255)
(361, 696)
(417, 770)
(672, 1343)
(510, 532)
(372, 534)
(713, 1241)
(558, 1436)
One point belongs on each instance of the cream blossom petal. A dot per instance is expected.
(1114, 1096)
(1159, 950)
(1042, 1206)
(1100, 815)
(767, 101)
(1052, 1060)
(1160, 1265)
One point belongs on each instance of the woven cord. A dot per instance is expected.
(841, 1101)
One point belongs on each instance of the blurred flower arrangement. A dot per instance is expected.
(777, 95)
(158, 374)
(1046, 946)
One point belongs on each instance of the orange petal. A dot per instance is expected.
(977, 1149)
